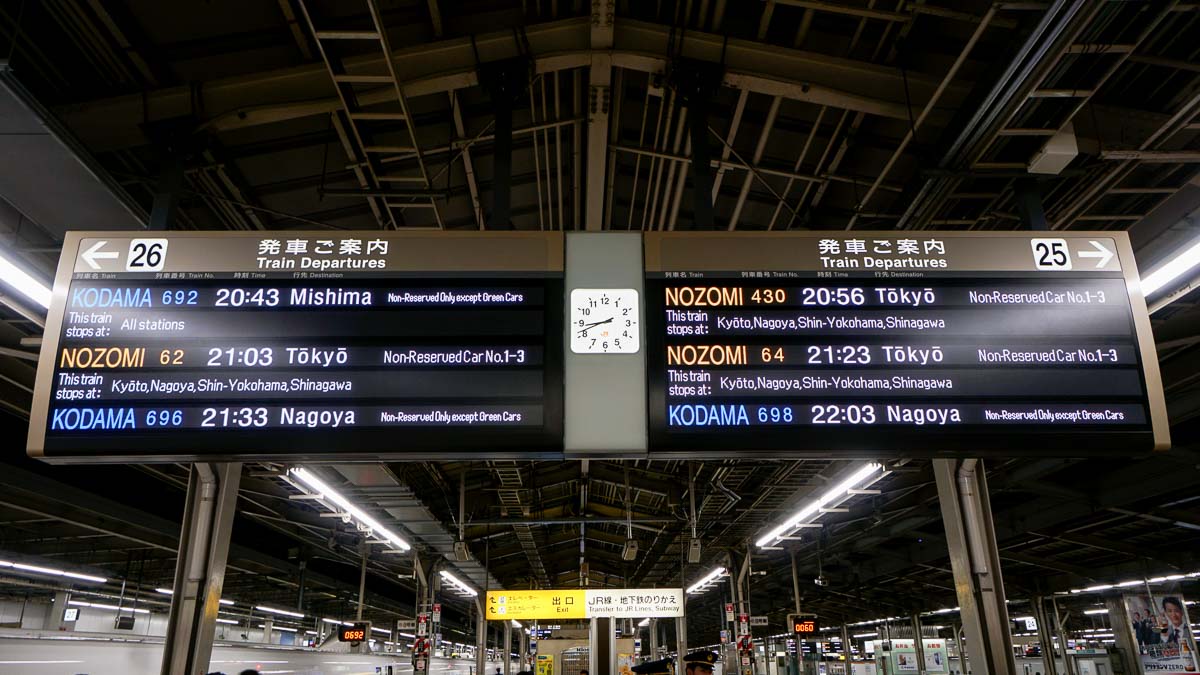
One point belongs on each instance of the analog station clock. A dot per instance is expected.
(605, 321)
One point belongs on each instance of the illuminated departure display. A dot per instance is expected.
(302, 345)
(921, 344)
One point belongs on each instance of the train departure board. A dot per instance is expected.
(899, 344)
(302, 346)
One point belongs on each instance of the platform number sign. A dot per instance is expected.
(1051, 254)
(146, 255)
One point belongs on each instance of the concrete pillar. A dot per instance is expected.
(268, 630)
(506, 653)
(962, 656)
(603, 658)
(975, 560)
(1045, 635)
(54, 613)
(918, 643)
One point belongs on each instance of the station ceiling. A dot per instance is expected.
(864, 114)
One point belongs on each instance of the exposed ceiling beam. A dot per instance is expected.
(305, 91)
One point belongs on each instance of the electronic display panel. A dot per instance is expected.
(303, 346)
(358, 632)
(899, 344)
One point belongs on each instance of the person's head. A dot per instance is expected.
(1173, 607)
(700, 663)
(249, 671)
(1137, 616)
(583, 671)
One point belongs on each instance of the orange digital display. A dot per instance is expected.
(804, 626)
(356, 633)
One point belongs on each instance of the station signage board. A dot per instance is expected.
(580, 603)
(185, 346)
(898, 343)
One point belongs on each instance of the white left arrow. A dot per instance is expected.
(1102, 252)
(89, 256)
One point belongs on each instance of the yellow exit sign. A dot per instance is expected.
(524, 605)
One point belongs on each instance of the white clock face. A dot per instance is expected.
(605, 321)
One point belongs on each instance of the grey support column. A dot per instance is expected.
(1122, 628)
(506, 655)
(603, 658)
(681, 639)
(654, 640)
(54, 613)
(200, 567)
(1060, 628)
(918, 643)
(846, 647)
(974, 557)
(958, 644)
(614, 383)
(1045, 635)
(481, 627)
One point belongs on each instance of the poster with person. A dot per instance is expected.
(1160, 627)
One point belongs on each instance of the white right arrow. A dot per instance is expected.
(1102, 252)
(89, 256)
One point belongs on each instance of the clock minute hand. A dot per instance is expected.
(593, 325)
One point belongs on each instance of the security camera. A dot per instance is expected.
(821, 581)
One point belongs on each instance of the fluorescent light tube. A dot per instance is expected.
(230, 621)
(1171, 270)
(49, 571)
(101, 605)
(282, 628)
(461, 586)
(814, 508)
(24, 283)
(284, 612)
(711, 576)
(332, 495)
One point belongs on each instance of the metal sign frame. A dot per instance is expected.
(687, 254)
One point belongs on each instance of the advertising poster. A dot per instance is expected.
(625, 664)
(936, 656)
(1160, 626)
(905, 654)
(545, 664)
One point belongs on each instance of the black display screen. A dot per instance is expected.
(874, 365)
(397, 364)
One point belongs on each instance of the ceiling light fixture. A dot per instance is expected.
(284, 612)
(459, 584)
(50, 571)
(1096, 611)
(24, 283)
(328, 493)
(702, 585)
(282, 628)
(1172, 269)
(865, 476)
(229, 621)
(336, 622)
(101, 605)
